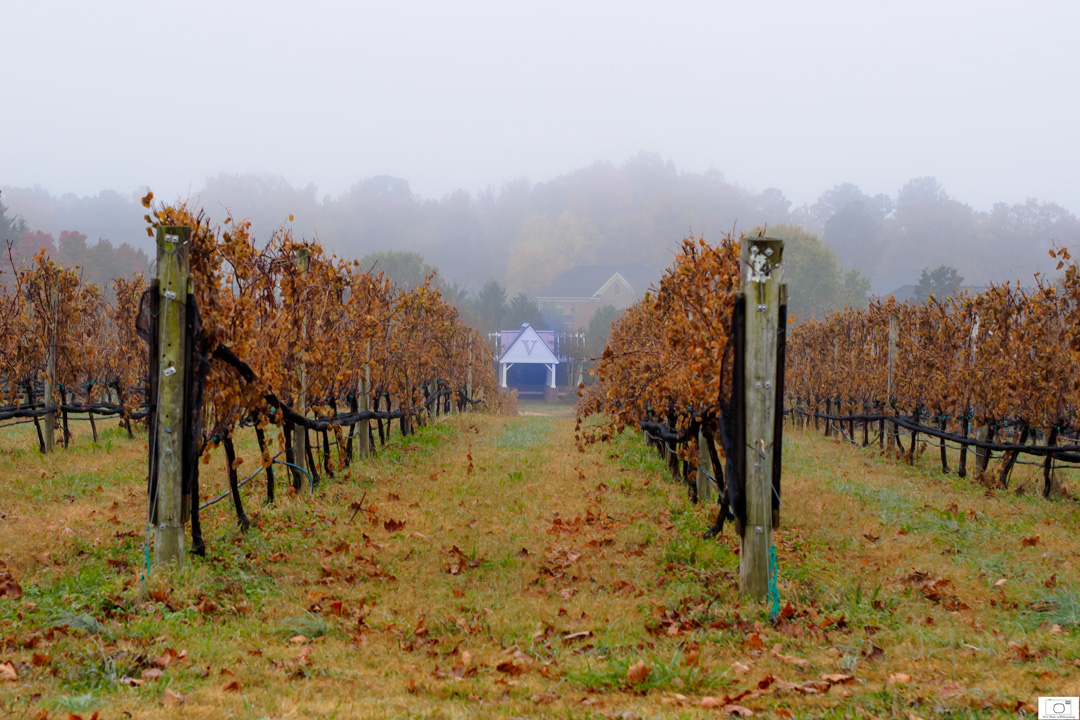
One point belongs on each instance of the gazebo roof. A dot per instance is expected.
(528, 347)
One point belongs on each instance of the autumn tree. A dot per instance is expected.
(941, 282)
(816, 283)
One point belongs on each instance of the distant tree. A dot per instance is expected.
(489, 306)
(816, 284)
(547, 248)
(930, 228)
(523, 309)
(596, 335)
(458, 296)
(851, 223)
(11, 227)
(856, 289)
(941, 282)
(1018, 237)
(30, 244)
(99, 263)
(922, 191)
(405, 269)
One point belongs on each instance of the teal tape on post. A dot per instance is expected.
(774, 590)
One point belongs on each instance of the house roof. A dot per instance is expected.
(528, 346)
(585, 281)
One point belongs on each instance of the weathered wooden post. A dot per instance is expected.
(50, 366)
(173, 278)
(300, 438)
(763, 288)
(468, 381)
(364, 392)
(704, 487)
(894, 329)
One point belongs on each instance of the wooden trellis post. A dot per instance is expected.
(299, 431)
(50, 367)
(704, 487)
(365, 404)
(468, 381)
(765, 293)
(173, 276)
(894, 330)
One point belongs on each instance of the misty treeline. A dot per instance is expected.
(99, 262)
(522, 235)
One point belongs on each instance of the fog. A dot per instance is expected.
(465, 130)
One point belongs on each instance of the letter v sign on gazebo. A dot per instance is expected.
(529, 347)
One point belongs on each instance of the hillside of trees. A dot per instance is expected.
(523, 234)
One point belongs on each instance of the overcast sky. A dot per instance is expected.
(982, 94)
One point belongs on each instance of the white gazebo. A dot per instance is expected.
(528, 348)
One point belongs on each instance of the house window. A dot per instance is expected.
(573, 308)
(618, 288)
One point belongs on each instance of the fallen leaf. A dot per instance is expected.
(1000, 582)
(7, 672)
(739, 668)
(171, 697)
(839, 679)
(899, 679)
(798, 661)
(151, 674)
(738, 711)
(231, 686)
(393, 525)
(166, 658)
(638, 672)
(710, 702)
(1030, 541)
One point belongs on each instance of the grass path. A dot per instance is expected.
(493, 570)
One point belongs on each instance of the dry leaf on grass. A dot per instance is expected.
(899, 679)
(577, 636)
(231, 686)
(837, 679)
(798, 661)
(7, 672)
(508, 667)
(638, 672)
(170, 697)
